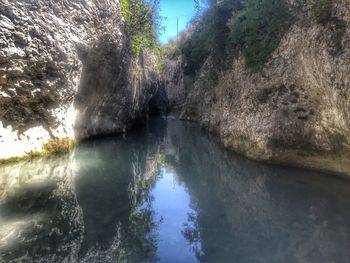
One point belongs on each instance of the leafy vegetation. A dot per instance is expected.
(58, 145)
(143, 23)
(258, 29)
(220, 29)
(321, 10)
(224, 29)
(209, 35)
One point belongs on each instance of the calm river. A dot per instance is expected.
(169, 193)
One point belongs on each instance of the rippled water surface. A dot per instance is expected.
(169, 193)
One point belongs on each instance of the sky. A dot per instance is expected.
(170, 9)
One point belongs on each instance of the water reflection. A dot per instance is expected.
(250, 212)
(39, 214)
(172, 203)
(169, 193)
(113, 184)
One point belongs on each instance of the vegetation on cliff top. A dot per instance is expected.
(225, 29)
(143, 24)
(321, 10)
(254, 28)
(258, 29)
(221, 29)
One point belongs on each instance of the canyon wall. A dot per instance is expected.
(66, 71)
(175, 82)
(296, 110)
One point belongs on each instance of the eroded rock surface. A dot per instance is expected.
(175, 82)
(66, 71)
(115, 90)
(296, 111)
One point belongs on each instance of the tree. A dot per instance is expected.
(143, 23)
(258, 29)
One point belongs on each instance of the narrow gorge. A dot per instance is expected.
(68, 73)
(228, 142)
(295, 111)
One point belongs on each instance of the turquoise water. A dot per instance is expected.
(169, 193)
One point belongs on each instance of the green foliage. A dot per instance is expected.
(321, 10)
(227, 27)
(138, 231)
(253, 28)
(208, 34)
(258, 29)
(143, 23)
(195, 50)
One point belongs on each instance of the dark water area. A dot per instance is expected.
(169, 193)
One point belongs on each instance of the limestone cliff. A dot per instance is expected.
(294, 112)
(66, 72)
(115, 90)
(175, 82)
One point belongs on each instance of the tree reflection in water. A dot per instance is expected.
(169, 192)
(91, 206)
(116, 191)
(251, 212)
(192, 233)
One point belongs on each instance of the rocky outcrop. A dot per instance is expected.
(175, 82)
(115, 90)
(296, 111)
(159, 104)
(66, 72)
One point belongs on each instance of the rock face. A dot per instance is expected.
(115, 90)
(175, 82)
(159, 104)
(296, 111)
(66, 71)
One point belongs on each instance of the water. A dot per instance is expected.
(169, 193)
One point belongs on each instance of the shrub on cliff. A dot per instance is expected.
(143, 23)
(321, 10)
(208, 34)
(228, 27)
(257, 30)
